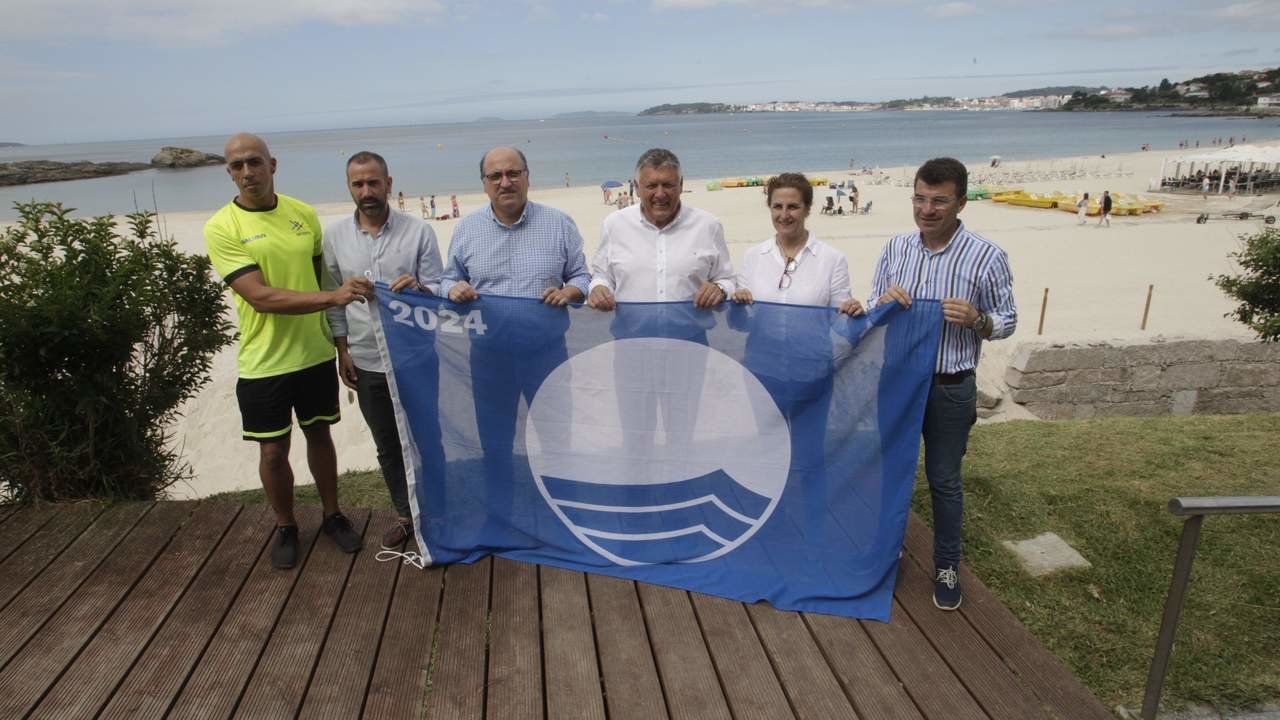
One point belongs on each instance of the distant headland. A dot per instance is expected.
(30, 172)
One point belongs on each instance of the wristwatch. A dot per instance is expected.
(981, 323)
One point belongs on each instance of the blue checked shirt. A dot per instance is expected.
(971, 268)
(543, 249)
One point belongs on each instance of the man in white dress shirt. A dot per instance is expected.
(660, 251)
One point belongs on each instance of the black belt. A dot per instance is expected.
(951, 378)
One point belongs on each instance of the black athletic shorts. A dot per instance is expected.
(267, 404)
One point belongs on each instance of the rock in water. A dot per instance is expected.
(176, 157)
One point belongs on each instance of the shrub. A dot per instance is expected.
(102, 337)
(1258, 286)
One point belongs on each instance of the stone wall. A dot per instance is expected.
(1163, 378)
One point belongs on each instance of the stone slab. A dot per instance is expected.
(1046, 554)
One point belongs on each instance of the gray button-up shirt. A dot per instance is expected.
(405, 246)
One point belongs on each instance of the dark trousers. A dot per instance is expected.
(379, 413)
(948, 417)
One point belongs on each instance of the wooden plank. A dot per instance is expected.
(158, 675)
(568, 647)
(218, 681)
(631, 687)
(42, 597)
(808, 681)
(86, 686)
(866, 677)
(280, 681)
(45, 542)
(346, 664)
(1046, 676)
(930, 683)
(750, 684)
(404, 657)
(457, 677)
(515, 642)
(993, 685)
(20, 524)
(37, 666)
(689, 679)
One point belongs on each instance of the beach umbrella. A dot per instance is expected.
(840, 193)
(610, 184)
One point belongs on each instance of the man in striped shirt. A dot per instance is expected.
(970, 275)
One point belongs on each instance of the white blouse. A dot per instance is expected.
(821, 276)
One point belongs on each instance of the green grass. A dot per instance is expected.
(1103, 485)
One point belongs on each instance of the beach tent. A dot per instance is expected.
(1245, 157)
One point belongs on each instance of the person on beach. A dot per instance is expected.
(387, 246)
(1104, 216)
(400, 201)
(421, 201)
(432, 203)
(1082, 208)
(453, 200)
(1204, 186)
(522, 249)
(566, 179)
(970, 275)
(267, 248)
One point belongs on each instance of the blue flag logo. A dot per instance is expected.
(761, 452)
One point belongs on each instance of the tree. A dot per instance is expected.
(1257, 287)
(102, 338)
(1166, 87)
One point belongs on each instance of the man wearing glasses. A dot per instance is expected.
(515, 248)
(944, 261)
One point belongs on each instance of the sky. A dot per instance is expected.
(85, 70)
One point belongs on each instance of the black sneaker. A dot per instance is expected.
(946, 588)
(397, 535)
(338, 527)
(284, 550)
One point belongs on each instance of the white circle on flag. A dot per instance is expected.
(657, 450)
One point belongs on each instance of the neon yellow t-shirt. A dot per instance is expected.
(281, 243)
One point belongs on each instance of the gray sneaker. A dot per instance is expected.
(338, 527)
(946, 588)
(284, 549)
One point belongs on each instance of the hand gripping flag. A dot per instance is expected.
(755, 452)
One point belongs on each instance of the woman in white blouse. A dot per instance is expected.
(790, 349)
(793, 266)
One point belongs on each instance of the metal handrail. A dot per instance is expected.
(1193, 509)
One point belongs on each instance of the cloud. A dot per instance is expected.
(178, 22)
(1116, 32)
(951, 10)
(770, 5)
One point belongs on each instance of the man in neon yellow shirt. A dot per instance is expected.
(267, 248)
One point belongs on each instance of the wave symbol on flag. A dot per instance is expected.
(686, 521)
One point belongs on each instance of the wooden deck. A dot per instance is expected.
(173, 610)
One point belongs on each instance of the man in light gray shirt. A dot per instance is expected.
(394, 247)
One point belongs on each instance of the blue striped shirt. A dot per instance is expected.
(543, 249)
(971, 268)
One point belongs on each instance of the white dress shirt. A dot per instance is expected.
(821, 276)
(640, 262)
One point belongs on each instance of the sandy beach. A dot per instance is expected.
(1097, 277)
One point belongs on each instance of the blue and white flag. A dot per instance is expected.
(755, 452)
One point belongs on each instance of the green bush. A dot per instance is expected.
(102, 337)
(1258, 286)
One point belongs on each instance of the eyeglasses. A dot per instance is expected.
(938, 202)
(496, 177)
(784, 282)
